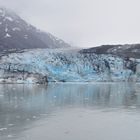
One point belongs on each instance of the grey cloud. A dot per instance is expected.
(84, 23)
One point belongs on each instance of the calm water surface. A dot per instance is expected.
(72, 111)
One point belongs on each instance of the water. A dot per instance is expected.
(72, 111)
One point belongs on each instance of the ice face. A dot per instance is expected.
(58, 65)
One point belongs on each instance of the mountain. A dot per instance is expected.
(128, 50)
(17, 34)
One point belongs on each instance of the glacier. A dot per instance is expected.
(66, 65)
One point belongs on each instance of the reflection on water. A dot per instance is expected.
(23, 105)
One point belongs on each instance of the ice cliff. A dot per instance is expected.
(57, 65)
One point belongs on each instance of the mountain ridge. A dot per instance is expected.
(15, 33)
(126, 50)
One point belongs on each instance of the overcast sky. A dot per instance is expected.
(84, 23)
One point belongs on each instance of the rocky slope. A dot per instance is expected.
(128, 50)
(17, 34)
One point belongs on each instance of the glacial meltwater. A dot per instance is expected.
(70, 111)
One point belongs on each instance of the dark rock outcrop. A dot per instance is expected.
(125, 51)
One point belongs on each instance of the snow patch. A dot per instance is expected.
(7, 35)
(26, 36)
(9, 18)
(1, 11)
(16, 29)
(6, 29)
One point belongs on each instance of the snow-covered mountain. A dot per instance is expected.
(17, 34)
(128, 50)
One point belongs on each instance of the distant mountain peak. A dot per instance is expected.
(15, 33)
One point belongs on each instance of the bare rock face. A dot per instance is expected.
(17, 34)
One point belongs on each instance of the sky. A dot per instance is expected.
(83, 23)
